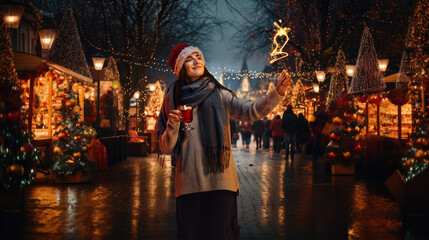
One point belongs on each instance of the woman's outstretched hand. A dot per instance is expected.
(283, 82)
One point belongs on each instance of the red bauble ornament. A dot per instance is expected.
(62, 136)
(15, 117)
(28, 149)
(358, 148)
(332, 155)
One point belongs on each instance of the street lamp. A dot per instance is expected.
(382, 64)
(316, 87)
(320, 76)
(12, 14)
(137, 96)
(350, 70)
(47, 37)
(98, 65)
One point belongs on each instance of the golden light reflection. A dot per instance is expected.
(281, 209)
(99, 217)
(136, 203)
(277, 52)
(265, 193)
(48, 200)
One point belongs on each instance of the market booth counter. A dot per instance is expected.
(44, 85)
(388, 128)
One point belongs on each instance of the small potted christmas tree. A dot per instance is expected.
(344, 148)
(71, 158)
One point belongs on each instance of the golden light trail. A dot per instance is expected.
(277, 52)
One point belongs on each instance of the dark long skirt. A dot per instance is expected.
(207, 215)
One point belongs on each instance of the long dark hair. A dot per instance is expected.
(181, 81)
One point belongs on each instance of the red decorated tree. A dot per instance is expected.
(344, 147)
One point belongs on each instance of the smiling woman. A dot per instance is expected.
(206, 182)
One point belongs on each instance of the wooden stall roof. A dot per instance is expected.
(391, 79)
(28, 62)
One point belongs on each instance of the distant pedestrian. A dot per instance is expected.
(258, 131)
(234, 133)
(277, 133)
(304, 132)
(320, 119)
(246, 127)
(290, 128)
(267, 133)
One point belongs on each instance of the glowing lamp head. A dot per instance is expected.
(382, 64)
(316, 87)
(320, 76)
(47, 37)
(151, 87)
(136, 95)
(11, 14)
(350, 70)
(98, 63)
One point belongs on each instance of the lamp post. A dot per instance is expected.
(137, 96)
(98, 66)
(47, 37)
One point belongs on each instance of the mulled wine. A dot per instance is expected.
(187, 117)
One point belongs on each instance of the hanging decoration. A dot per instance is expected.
(277, 52)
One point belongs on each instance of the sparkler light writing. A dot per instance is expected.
(277, 52)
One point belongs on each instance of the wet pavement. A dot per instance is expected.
(279, 199)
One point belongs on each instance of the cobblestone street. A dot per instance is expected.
(279, 199)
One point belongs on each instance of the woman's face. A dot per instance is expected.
(194, 67)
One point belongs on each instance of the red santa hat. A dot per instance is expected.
(179, 54)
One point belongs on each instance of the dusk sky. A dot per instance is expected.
(222, 53)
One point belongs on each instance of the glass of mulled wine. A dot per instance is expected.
(186, 117)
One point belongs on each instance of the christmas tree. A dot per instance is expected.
(339, 79)
(71, 147)
(298, 95)
(112, 74)
(67, 49)
(403, 79)
(367, 77)
(7, 67)
(17, 155)
(155, 101)
(416, 159)
(344, 146)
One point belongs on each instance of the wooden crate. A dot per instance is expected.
(413, 195)
(79, 177)
(341, 169)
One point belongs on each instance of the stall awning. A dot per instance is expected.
(28, 62)
(391, 79)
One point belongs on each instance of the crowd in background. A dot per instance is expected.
(291, 132)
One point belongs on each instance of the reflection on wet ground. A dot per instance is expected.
(279, 199)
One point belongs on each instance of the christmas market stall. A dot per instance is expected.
(46, 86)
